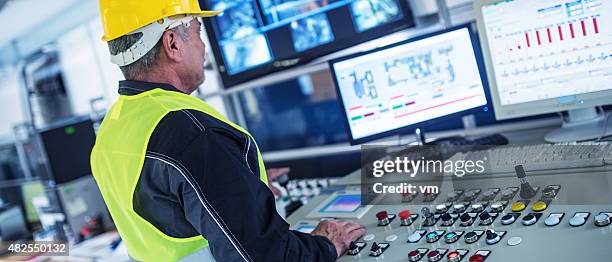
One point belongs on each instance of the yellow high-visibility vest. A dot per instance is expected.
(117, 159)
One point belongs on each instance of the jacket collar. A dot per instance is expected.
(133, 87)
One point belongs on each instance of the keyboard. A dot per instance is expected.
(541, 157)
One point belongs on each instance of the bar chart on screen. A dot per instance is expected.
(554, 44)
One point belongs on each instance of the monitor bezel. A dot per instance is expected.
(410, 128)
(300, 58)
(532, 108)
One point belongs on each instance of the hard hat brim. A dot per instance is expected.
(203, 13)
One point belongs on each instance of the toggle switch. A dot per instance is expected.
(493, 237)
(378, 249)
(486, 218)
(355, 248)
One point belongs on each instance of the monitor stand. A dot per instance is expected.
(581, 125)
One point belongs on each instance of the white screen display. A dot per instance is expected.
(549, 49)
(410, 83)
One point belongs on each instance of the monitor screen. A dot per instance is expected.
(250, 38)
(542, 54)
(343, 204)
(386, 90)
(68, 147)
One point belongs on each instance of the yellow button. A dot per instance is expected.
(518, 206)
(539, 206)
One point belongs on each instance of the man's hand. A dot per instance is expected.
(341, 233)
(273, 174)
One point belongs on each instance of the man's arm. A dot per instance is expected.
(224, 199)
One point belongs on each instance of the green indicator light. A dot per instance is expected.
(356, 118)
(69, 130)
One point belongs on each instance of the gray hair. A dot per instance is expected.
(144, 64)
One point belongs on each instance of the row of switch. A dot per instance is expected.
(453, 256)
(377, 249)
(553, 219)
(492, 236)
(487, 218)
(507, 194)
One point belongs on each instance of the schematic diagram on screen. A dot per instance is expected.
(434, 66)
(363, 85)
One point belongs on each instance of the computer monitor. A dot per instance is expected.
(397, 88)
(549, 56)
(252, 38)
(68, 145)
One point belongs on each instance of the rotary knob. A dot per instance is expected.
(451, 237)
(602, 220)
(471, 237)
(466, 219)
(492, 237)
(432, 237)
(447, 219)
(508, 219)
(485, 218)
(434, 255)
(414, 255)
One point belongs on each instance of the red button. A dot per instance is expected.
(476, 258)
(381, 215)
(404, 214)
(433, 253)
(453, 254)
(414, 253)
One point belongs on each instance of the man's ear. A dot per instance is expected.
(172, 45)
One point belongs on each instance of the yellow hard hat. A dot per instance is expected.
(121, 17)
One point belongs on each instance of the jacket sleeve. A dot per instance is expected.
(226, 202)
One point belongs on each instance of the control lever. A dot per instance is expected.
(527, 191)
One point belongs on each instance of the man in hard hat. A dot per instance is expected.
(180, 180)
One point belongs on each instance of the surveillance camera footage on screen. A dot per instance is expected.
(250, 36)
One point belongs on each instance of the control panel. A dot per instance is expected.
(559, 216)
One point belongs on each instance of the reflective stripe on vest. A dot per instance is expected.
(117, 159)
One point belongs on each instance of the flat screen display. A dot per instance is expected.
(409, 83)
(343, 204)
(250, 38)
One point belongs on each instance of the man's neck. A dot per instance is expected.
(166, 77)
